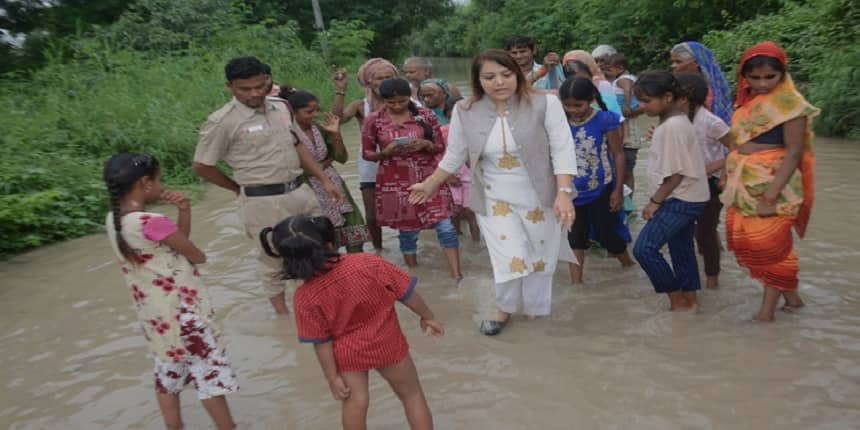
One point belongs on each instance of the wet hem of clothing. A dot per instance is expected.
(375, 367)
(218, 393)
(314, 340)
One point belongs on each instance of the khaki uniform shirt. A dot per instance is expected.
(258, 146)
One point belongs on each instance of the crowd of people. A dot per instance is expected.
(538, 153)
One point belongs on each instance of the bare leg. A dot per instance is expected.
(474, 230)
(769, 299)
(712, 281)
(677, 301)
(219, 411)
(170, 411)
(355, 406)
(411, 260)
(279, 302)
(453, 257)
(500, 316)
(690, 296)
(368, 196)
(403, 378)
(625, 259)
(576, 269)
(457, 221)
(792, 301)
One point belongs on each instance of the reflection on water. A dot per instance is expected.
(609, 357)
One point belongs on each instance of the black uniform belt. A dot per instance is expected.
(272, 189)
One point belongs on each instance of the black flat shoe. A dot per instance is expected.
(492, 328)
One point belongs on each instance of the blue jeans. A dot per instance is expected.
(445, 231)
(673, 224)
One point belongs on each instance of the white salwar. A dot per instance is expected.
(524, 238)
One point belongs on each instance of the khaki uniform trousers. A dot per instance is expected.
(258, 213)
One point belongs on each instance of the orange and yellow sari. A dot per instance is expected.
(764, 244)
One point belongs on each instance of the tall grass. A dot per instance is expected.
(59, 125)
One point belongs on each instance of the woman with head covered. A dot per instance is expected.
(697, 58)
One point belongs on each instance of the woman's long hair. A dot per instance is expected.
(504, 59)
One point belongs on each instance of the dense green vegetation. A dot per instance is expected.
(131, 86)
(822, 37)
(98, 76)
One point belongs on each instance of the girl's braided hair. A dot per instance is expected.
(121, 172)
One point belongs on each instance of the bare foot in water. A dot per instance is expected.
(690, 296)
(678, 301)
(793, 301)
(624, 259)
(762, 318)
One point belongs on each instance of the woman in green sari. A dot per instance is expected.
(326, 145)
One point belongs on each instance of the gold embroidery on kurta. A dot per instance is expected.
(535, 216)
(501, 209)
(508, 161)
(518, 265)
(539, 265)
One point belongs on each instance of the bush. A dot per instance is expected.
(63, 121)
(824, 59)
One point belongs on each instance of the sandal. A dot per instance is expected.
(492, 328)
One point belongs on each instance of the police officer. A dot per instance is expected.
(253, 135)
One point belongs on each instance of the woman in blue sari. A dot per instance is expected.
(697, 58)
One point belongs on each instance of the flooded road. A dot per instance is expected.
(609, 357)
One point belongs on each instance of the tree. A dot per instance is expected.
(46, 24)
(391, 22)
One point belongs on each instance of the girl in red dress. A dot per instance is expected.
(345, 307)
(406, 140)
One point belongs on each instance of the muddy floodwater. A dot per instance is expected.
(609, 356)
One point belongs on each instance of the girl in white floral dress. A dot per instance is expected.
(172, 304)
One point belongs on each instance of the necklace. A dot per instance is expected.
(507, 161)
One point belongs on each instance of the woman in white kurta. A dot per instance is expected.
(521, 225)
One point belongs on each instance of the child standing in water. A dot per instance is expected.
(172, 303)
(634, 126)
(460, 183)
(600, 177)
(345, 308)
(679, 191)
(715, 138)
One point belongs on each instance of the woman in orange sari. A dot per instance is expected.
(770, 175)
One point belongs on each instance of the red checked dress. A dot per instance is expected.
(397, 173)
(352, 306)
